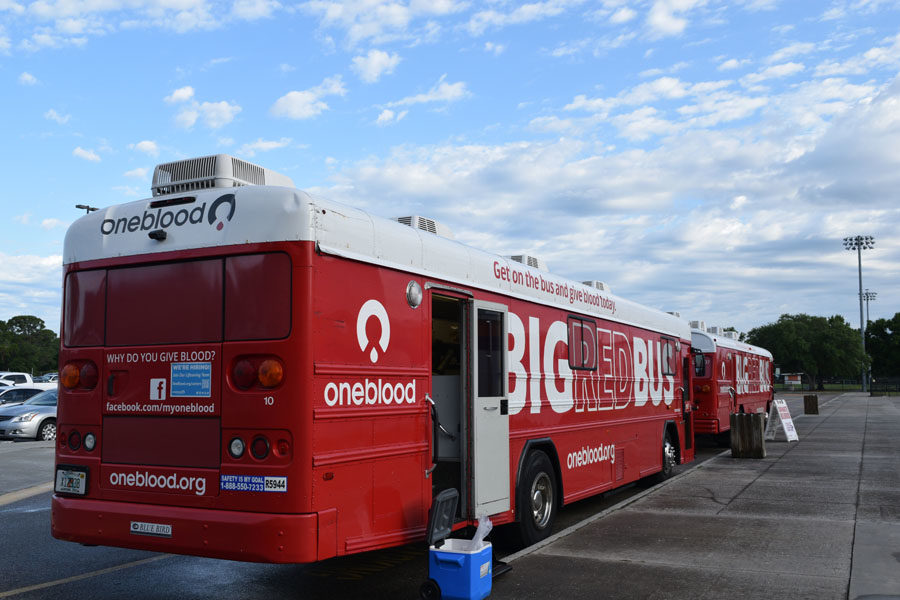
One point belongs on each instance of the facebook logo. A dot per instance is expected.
(157, 389)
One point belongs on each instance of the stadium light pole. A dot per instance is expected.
(867, 296)
(860, 243)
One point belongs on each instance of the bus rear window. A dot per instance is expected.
(172, 303)
(245, 297)
(85, 301)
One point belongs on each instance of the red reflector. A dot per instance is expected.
(74, 440)
(260, 447)
(89, 375)
(243, 374)
(283, 448)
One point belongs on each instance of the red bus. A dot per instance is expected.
(729, 377)
(251, 373)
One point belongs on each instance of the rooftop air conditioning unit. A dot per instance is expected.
(600, 285)
(714, 330)
(674, 313)
(531, 261)
(700, 325)
(426, 224)
(217, 171)
(733, 335)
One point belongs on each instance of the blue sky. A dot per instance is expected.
(701, 156)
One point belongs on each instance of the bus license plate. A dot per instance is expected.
(71, 482)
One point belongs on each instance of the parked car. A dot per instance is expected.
(33, 419)
(17, 394)
(19, 378)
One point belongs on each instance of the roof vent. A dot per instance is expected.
(531, 261)
(701, 325)
(600, 285)
(426, 224)
(217, 171)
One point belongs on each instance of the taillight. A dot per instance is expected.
(79, 375)
(253, 371)
(89, 376)
(243, 374)
(270, 372)
(69, 376)
(704, 389)
(74, 440)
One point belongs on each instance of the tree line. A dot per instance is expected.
(27, 345)
(828, 348)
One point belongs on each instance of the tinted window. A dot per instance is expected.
(582, 344)
(244, 297)
(164, 304)
(47, 398)
(490, 353)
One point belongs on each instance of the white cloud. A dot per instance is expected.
(495, 49)
(788, 52)
(27, 79)
(24, 219)
(388, 117)
(52, 115)
(182, 94)
(521, 14)
(139, 172)
(187, 117)
(733, 63)
(861, 64)
(251, 10)
(623, 15)
(148, 147)
(261, 145)
(773, 72)
(440, 92)
(86, 154)
(667, 17)
(306, 104)
(218, 114)
(53, 223)
(376, 63)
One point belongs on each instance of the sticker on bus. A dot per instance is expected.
(191, 380)
(252, 483)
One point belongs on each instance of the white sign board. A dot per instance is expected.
(784, 420)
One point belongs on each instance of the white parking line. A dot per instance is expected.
(47, 584)
(26, 493)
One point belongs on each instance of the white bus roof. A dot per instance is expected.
(707, 342)
(257, 214)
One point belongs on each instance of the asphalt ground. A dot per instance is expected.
(818, 518)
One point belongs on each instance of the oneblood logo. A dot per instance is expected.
(221, 210)
(173, 482)
(370, 392)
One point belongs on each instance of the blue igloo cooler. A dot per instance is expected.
(461, 569)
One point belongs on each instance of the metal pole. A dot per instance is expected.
(862, 324)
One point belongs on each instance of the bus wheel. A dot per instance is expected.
(668, 458)
(536, 498)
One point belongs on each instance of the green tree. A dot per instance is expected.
(27, 345)
(820, 347)
(883, 345)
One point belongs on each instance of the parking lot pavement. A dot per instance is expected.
(25, 465)
(818, 518)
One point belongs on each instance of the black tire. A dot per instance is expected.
(430, 590)
(47, 431)
(536, 498)
(669, 458)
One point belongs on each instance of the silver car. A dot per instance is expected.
(33, 419)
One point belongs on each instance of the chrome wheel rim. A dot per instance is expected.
(541, 500)
(48, 432)
(668, 456)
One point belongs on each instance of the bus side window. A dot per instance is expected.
(699, 365)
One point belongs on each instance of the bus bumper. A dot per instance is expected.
(233, 535)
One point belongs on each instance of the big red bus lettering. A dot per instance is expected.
(627, 370)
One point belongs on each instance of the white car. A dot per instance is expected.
(20, 378)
